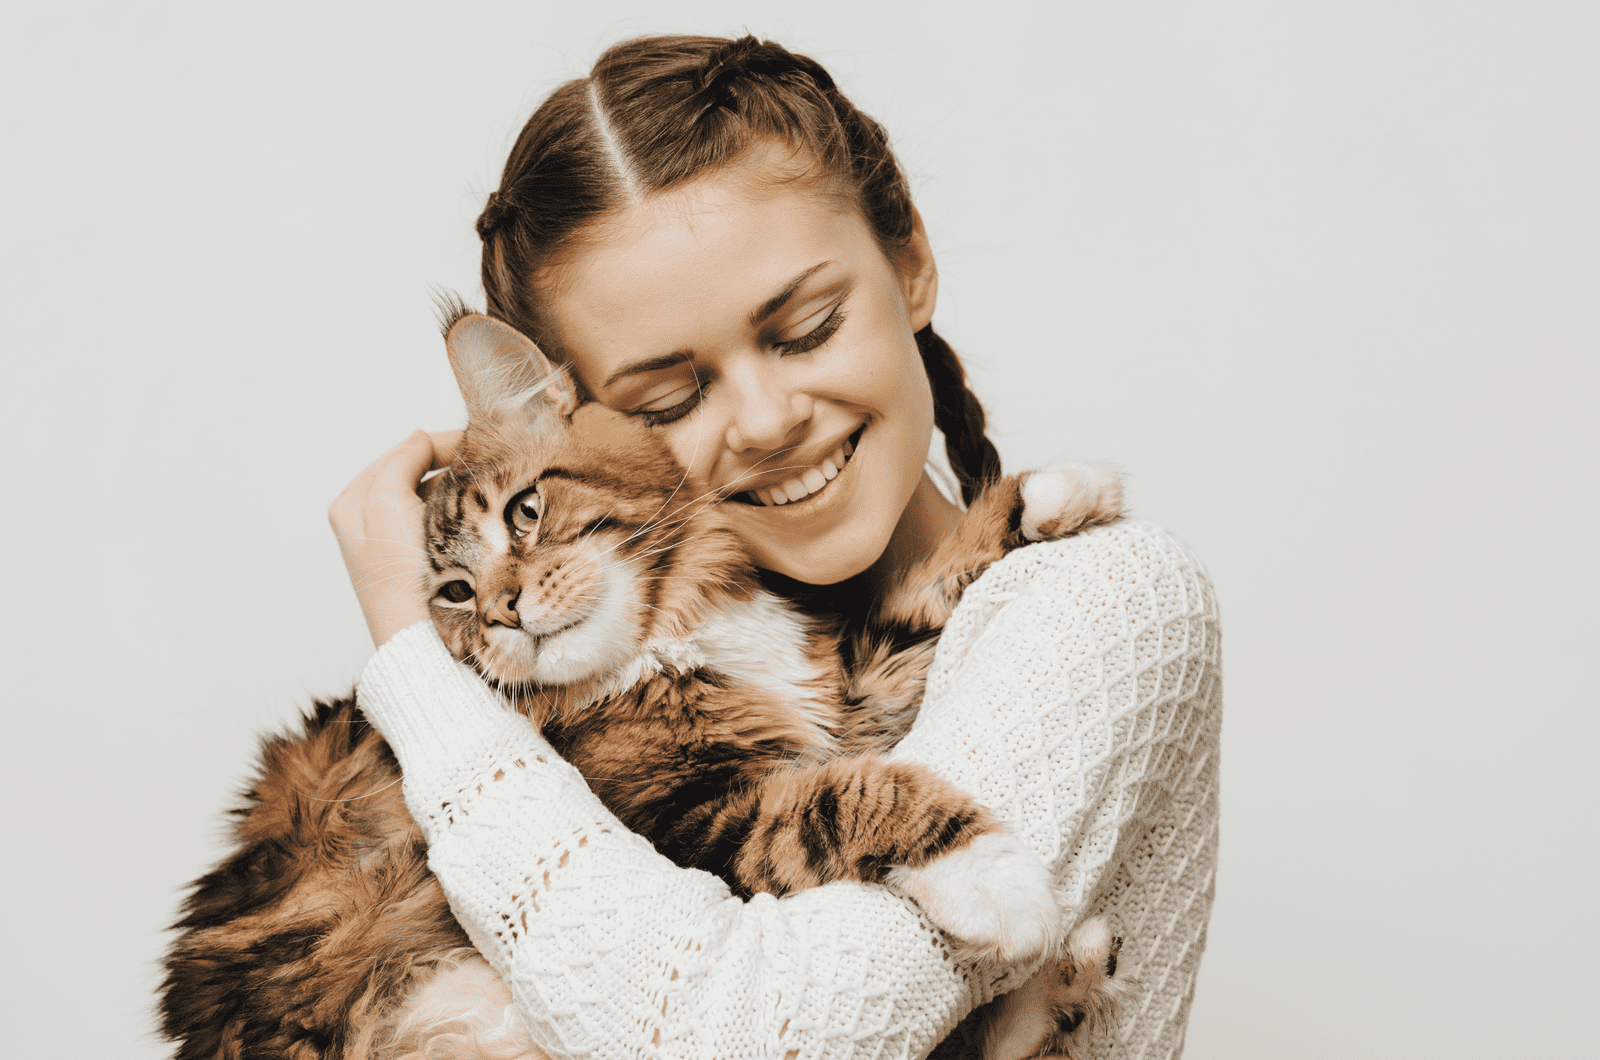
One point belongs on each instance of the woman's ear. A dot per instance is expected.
(919, 276)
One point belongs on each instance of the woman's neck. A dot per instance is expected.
(927, 520)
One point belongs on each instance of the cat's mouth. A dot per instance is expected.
(804, 484)
(543, 637)
(586, 639)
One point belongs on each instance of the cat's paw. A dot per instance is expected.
(993, 896)
(1064, 1001)
(1051, 1013)
(1061, 500)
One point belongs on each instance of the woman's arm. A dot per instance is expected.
(1077, 693)
(608, 948)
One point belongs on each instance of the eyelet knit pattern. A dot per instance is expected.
(1076, 692)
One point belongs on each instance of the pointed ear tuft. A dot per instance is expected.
(448, 308)
(501, 372)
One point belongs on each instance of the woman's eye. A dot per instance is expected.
(457, 592)
(816, 336)
(673, 413)
(524, 511)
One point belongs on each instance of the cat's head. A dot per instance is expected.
(565, 535)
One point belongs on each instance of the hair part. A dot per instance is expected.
(656, 112)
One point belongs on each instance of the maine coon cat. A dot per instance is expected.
(578, 571)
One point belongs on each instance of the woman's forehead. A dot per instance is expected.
(688, 267)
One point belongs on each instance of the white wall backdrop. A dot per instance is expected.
(1322, 276)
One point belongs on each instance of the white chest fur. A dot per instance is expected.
(757, 643)
(762, 643)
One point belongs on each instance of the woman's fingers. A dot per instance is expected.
(348, 508)
(445, 445)
(378, 521)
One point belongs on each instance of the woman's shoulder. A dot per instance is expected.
(1129, 572)
(1110, 560)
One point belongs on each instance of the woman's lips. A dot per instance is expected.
(800, 487)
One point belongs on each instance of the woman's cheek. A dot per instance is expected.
(694, 443)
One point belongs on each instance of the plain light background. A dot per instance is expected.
(1323, 277)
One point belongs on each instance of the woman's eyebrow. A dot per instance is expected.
(649, 364)
(776, 302)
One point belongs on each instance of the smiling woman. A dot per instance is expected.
(721, 250)
(755, 320)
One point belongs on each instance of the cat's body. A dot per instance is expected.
(572, 568)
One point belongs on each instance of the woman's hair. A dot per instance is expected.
(661, 110)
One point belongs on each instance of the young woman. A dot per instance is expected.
(716, 241)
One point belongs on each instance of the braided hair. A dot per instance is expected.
(657, 111)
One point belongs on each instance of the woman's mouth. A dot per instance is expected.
(809, 482)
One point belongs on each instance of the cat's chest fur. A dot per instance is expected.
(759, 642)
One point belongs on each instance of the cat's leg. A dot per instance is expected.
(1051, 1014)
(1015, 511)
(895, 823)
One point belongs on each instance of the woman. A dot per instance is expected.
(717, 242)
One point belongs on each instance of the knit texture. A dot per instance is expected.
(1076, 692)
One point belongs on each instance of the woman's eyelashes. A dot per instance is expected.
(673, 413)
(816, 336)
(687, 398)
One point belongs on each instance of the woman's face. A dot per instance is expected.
(761, 329)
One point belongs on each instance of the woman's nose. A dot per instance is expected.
(766, 414)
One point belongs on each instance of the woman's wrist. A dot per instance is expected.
(428, 705)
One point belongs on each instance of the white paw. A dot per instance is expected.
(1057, 501)
(993, 895)
(1091, 945)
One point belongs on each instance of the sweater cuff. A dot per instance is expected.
(440, 718)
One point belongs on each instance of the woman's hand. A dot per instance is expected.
(378, 520)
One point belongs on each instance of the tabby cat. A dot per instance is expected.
(574, 567)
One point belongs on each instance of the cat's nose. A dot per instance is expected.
(503, 612)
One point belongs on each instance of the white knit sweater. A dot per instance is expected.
(1076, 692)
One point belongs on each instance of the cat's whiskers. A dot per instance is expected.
(597, 557)
(649, 524)
(685, 512)
(722, 493)
(406, 571)
(353, 798)
(712, 496)
(699, 435)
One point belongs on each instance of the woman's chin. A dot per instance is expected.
(842, 530)
(822, 561)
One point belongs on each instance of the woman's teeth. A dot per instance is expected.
(808, 481)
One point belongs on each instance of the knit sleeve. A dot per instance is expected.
(1076, 692)
(609, 949)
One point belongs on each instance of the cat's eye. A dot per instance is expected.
(524, 511)
(457, 592)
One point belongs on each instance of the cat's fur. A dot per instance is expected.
(603, 594)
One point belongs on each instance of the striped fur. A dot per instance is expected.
(574, 566)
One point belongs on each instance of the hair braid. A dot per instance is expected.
(959, 416)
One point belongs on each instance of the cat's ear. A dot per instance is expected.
(501, 372)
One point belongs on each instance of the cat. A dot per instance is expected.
(576, 568)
